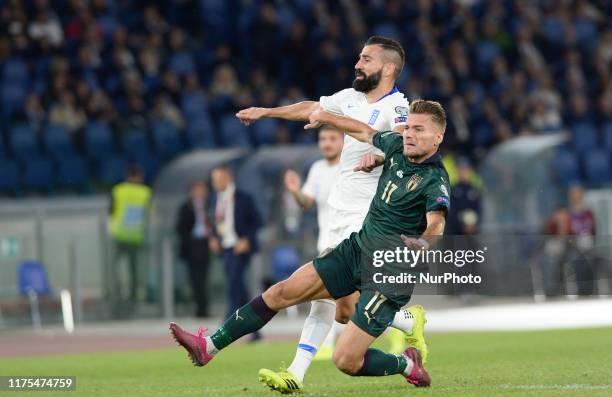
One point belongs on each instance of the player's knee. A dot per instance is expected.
(276, 296)
(343, 314)
(342, 318)
(346, 362)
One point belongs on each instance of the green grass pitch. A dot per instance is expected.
(543, 363)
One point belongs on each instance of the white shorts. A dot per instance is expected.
(342, 223)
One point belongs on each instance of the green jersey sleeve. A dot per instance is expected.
(388, 141)
(437, 195)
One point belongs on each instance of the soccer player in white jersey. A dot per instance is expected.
(374, 99)
(321, 177)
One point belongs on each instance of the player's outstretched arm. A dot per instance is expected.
(436, 221)
(358, 130)
(296, 112)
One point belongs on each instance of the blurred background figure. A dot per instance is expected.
(465, 196)
(193, 228)
(319, 181)
(581, 253)
(129, 211)
(236, 221)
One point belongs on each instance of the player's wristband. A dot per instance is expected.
(423, 243)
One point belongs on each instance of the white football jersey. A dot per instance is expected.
(353, 191)
(318, 185)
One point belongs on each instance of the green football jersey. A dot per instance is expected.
(406, 192)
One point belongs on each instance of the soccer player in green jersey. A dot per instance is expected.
(412, 199)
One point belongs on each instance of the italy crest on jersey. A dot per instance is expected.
(413, 182)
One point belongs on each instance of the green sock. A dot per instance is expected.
(378, 363)
(249, 318)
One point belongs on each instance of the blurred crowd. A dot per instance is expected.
(500, 68)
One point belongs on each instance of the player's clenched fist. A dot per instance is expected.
(292, 181)
(315, 119)
(369, 161)
(250, 115)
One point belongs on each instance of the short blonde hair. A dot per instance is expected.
(432, 108)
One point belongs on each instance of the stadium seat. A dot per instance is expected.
(56, 141)
(72, 172)
(9, 176)
(234, 133)
(182, 63)
(15, 70)
(38, 173)
(597, 167)
(98, 140)
(32, 276)
(200, 133)
(194, 105)
(12, 97)
(111, 170)
(166, 139)
(264, 131)
(584, 136)
(606, 132)
(23, 140)
(566, 166)
(285, 260)
(134, 143)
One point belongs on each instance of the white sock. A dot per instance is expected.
(336, 330)
(210, 346)
(409, 365)
(316, 327)
(403, 321)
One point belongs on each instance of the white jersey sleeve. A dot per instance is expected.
(398, 111)
(309, 187)
(333, 103)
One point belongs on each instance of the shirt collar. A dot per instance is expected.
(393, 91)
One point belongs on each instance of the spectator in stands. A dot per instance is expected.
(68, 113)
(235, 225)
(193, 228)
(129, 211)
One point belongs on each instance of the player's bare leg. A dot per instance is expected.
(354, 356)
(303, 285)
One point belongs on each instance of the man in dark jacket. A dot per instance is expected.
(236, 221)
(194, 229)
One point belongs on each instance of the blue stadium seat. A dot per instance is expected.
(166, 139)
(200, 133)
(135, 143)
(111, 170)
(56, 141)
(264, 131)
(566, 166)
(606, 132)
(194, 105)
(72, 172)
(12, 97)
(32, 276)
(234, 133)
(584, 136)
(23, 140)
(38, 173)
(285, 260)
(9, 176)
(182, 63)
(15, 70)
(597, 167)
(98, 139)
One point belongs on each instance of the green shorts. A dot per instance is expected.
(340, 270)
